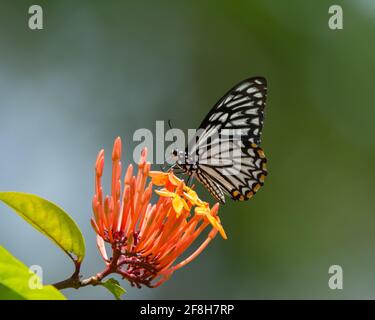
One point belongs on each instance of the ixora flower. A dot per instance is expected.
(147, 239)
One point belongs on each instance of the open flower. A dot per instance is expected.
(184, 198)
(147, 239)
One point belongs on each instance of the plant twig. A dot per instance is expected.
(76, 282)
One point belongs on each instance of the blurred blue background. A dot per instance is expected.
(102, 69)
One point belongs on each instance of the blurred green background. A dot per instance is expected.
(100, 69)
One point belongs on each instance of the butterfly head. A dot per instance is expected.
(178, 156)
(184, 161)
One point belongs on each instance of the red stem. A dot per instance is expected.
(75, 282)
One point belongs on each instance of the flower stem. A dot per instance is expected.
(75, 282)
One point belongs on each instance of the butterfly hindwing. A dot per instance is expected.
(242, 180)
(211, 186)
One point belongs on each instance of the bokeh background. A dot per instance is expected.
(102, 69)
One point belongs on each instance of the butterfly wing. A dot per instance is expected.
(241, 107)
(211, 185)
(243, 178)
(226, 145)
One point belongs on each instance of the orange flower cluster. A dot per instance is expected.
(147, 239)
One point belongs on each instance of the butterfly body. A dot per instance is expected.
(225, 155)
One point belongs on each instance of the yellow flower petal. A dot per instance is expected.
(178, 205)
(222, 233)
(188, 189)
(216, 224)
(186, 206)
(202, 211)
(165, 193)
(202, 203)
(158, 178)
(191, 196)
(173, 179)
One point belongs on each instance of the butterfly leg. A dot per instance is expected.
(178, 171)
(189, 181)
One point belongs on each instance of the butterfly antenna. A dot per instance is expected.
(169, 167)
(170, 124)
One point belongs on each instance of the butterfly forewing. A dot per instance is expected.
(242, 107)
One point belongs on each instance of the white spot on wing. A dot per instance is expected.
(251, 152)
(238, 101)
(228, 98)
(215, 116)
(223, 118)
(239, 122)
(258, 163)
(242, 86)
(253, 111)
(255, 121)
(251, 90)
(237, 114)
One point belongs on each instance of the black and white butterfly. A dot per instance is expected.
(224, 155)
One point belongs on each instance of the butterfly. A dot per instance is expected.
(224, 155)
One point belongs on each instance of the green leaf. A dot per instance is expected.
(114, 287)
(49, 219)
(16, 281)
